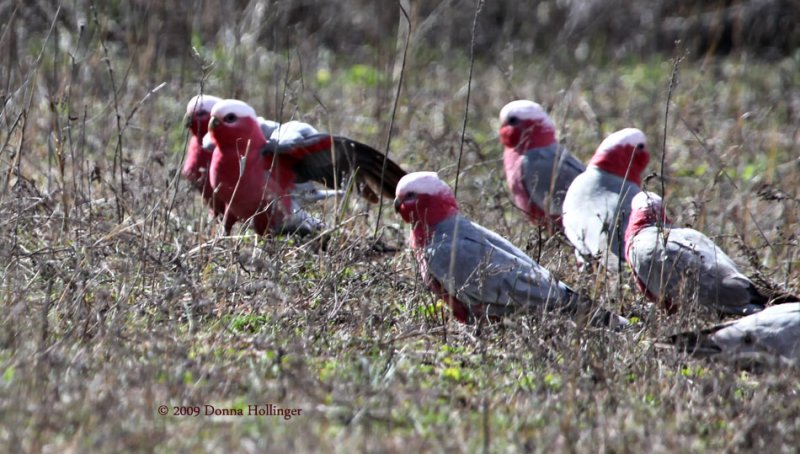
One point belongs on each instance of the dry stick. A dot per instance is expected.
(394, 112)
(76, 163)
(16, 165)
(5, 146)
(676, 61)
(453, 247)
(478, 7)
(139, 104)
(117, 165)
(672, 83)
(205, 68)
(23, 116)
(4, 100)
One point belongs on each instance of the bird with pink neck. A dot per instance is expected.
(481, 275)
(597, 204)
(679, 266)
(538, 170)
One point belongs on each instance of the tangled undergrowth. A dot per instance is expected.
(119, 295)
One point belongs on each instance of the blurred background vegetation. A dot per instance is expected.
(117, 295)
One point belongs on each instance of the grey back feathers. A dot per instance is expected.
(480, 267)
(773, 332)
(539, 165)
(691, 267)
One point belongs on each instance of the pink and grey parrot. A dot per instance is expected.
(673, 265)
(538, 169)
(199, 152)
(476, 271)
(597, 204)
(773, 332)
(256, 177)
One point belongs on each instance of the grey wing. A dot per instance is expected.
(720, 284)
(292, 132)
(673, 272)
(647, 260)
(540, 166)
(773, 330)
(474, 269)
(503, 244)
(330, 159)
(267, 126)
(619, 221)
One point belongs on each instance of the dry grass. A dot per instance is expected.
(119, 295)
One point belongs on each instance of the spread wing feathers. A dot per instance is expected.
(692, 265)
(775, 331)
(329, 159)
(287, 133)
(479, 267)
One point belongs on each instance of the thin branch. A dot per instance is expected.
(394, 111)
(117, 165)
(672, 83)
(478, 7)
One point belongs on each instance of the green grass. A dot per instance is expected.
(114, 303)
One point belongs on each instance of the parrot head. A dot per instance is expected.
(648, 205)
(198, 112)
(233, 126)
(421, 197)
(623, 153)
(524, 125)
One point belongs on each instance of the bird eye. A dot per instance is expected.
(410, 195)
(512, 120)
(640, 146)
(230, 118)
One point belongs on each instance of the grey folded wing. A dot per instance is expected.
(481, 268)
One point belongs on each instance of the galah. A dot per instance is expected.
(286, 134)
(199, 151)
(538, 170)
(598, 201)
(255, 176)
(676, 265)
(773, 332)
(480, 274)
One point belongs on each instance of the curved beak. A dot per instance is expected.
(397, 204)
(213, 123)
(187, 120)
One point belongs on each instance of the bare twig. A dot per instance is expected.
(118, 156)
(673, 81)
(394, 110)
(478, 7)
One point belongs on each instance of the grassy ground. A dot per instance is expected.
(119, 295)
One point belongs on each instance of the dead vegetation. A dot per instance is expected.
(119, 295)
